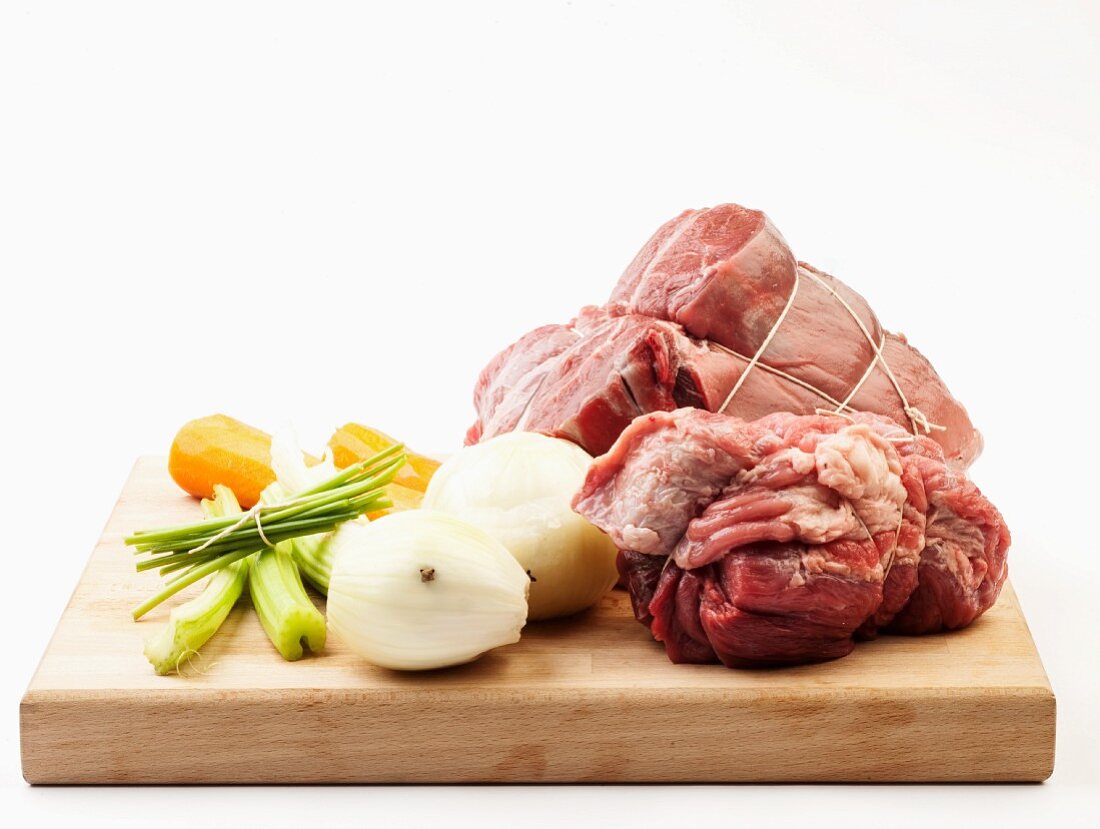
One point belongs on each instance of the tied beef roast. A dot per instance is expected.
(784, 539)
(682, 327)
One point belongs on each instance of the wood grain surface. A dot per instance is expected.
(591, 698)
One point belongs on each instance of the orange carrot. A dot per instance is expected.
(220, 450)
(352, 443)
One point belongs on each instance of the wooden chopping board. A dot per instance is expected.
(591, 698)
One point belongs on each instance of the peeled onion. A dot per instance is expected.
(420, 589)
(518, 487)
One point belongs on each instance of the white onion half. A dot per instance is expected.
(420, 589)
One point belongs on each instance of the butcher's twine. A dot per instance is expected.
(917, 419)
(260, 529)
(189, 657)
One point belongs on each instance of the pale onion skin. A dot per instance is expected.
(519, 488)
(383, 607)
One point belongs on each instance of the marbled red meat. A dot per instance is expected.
(784, 539)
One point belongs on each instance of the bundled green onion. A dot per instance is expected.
(194, 551)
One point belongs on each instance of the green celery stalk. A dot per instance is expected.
(284, 608)
(190, 625)
(313, 555)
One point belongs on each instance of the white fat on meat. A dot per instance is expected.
(820, 518)
(814, 562)
(865, 469)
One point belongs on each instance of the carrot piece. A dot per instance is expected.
(220, 450)
(352, 443)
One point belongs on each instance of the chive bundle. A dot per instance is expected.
(193, 551)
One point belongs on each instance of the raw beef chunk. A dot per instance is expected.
(784, 539)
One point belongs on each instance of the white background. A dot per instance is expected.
(323, 212)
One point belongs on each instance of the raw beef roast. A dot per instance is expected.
(783, 539)
(682, 327)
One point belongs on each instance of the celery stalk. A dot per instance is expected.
(312, 554)
(190, 625)
(284, 608)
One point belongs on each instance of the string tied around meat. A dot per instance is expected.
(918, 420)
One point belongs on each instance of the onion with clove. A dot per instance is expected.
(420, 589)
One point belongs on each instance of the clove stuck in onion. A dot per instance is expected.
(421, 589)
